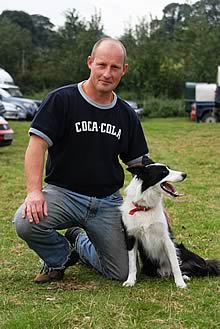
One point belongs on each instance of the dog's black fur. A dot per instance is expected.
(191, 264)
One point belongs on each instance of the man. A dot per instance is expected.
(85, 128)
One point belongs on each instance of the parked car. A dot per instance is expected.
(28, 105)
(14, 112)
(201, 101)
(6, 134)
(2, 109)
(139, 110)
(15, 91)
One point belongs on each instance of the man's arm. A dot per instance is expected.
(35, 205)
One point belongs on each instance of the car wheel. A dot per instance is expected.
(209, 118)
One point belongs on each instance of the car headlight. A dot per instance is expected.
(35, 106)
(20, 109)
(26, 104)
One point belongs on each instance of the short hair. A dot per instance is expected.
(116, 41)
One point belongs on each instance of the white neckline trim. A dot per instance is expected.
(90, 101)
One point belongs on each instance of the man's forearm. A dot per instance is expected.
(34, 163)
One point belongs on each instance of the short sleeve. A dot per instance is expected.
(137, 144)
(51, 117)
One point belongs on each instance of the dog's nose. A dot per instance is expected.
(184, 175)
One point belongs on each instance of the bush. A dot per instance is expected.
(163, 108)
(38, 95)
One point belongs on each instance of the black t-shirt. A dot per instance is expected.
(86, 140)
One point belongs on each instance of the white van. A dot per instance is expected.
(5, 77)
(7, 83)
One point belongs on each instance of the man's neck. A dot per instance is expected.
(97, 97)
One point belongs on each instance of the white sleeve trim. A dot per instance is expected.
(42, 135)
(136, 161)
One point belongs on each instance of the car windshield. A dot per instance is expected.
(15, 92)
(132, 103)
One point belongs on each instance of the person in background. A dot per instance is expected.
(85, 129)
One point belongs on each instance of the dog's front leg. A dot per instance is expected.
(171, 251)
(132, 259)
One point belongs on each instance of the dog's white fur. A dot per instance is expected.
(151, 228)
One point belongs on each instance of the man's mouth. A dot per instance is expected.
(105, 81)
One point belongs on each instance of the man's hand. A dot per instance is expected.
(35, 207)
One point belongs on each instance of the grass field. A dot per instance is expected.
(85, 299)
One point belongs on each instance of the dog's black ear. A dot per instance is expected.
(146, 160)
(136, 170)
(139, 170)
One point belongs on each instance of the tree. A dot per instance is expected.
(73, 26)
(43, 31)
(39, 27)
(15, 50)
(20, 18)
(174, 14)
(210, 9)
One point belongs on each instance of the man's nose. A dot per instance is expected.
(107, 72)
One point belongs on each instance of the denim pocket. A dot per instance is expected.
(116, 197)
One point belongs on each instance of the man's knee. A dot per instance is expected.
(122, 274)
(22, 225)
(118, 272)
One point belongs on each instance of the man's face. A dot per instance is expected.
(107, 67)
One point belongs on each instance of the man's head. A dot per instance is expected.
(111, 40)
(107, 64)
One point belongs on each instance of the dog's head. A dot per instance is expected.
(159, 176)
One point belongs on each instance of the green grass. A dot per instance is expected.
(85, 299)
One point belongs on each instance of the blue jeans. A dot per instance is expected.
(103, 244)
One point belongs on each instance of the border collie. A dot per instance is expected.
(148, 232)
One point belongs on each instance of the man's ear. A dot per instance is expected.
(89, 61)
(125, 68)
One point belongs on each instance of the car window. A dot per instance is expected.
(15, 92)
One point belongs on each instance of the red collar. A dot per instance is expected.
(137, 208)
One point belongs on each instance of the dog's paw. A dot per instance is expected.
(181, 285)
(186, 278)
(129, 283)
